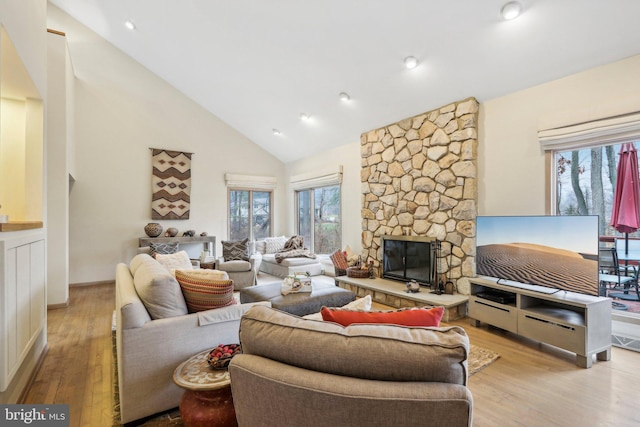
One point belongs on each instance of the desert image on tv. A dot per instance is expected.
(538, 265)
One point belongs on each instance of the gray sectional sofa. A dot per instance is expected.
(299, 372)
(153, 337)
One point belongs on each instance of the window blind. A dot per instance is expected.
(330, 176)
(605, 131)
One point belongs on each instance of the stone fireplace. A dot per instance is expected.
(419, 178)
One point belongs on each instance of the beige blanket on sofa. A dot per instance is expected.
(294, 248)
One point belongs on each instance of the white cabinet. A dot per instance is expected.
(23, 301)
(575, 322)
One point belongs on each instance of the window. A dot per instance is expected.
(585, 182)
(250, 206)
(318, 212)
(319, 219)
(249, 214)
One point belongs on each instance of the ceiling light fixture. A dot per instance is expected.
(511, 10)
(130, 25)
(344, 97)
(275, 131)
(410, 62)
(304, 116)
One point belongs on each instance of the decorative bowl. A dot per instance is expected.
(220, 356)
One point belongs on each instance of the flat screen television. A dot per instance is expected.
(550, 252)
(409, 258)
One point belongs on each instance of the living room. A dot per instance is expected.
(122, 109)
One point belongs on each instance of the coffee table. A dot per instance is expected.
(207, 399)
(299, 303)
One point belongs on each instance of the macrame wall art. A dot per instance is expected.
(171, 184)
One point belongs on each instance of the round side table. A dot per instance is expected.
(207, 399)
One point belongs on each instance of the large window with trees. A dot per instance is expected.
(319, 218)
(585, 182)
(249, 214)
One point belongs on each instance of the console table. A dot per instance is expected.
(575, 322)
(393, 293)
(208, 242)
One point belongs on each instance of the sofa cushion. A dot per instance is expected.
(406, 317)
(157, 288)
(368, 351)
(163, 248)
(235, 250)
(205, 289)
(176, 261)
(234, 266)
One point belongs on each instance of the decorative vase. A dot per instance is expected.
(171, 232)
(153, 229)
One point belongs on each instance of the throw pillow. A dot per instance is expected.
(163, 248)
(178, 260)
(339, 261)
(158, 289)
(361, 304)
(204, 289)
(405, 317)
(274, 244)
(235, 250)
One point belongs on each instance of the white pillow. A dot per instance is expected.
(178, 261)
(275, 244)
(261, 246)
(361, 304)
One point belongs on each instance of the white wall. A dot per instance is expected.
(60, 140)
(511, 163)
(121, 110)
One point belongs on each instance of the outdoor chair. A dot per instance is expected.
(610, 274)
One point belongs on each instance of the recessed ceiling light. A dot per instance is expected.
(304, 116)
(275, 131)
(410, 62)
(130, 25)
(511, 10)
(344, 97)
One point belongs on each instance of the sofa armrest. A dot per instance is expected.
(130, 311)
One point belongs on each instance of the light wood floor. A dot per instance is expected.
(529, 385)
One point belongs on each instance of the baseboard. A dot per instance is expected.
(57, 306)
(34, 373)
(102, 282)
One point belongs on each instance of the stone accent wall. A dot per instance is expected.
(419, 178)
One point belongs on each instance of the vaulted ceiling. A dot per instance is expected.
(259, 64)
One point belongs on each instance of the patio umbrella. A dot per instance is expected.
(625, 215)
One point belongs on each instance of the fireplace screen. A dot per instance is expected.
(409, 258)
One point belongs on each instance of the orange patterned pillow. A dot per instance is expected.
(339, 260)
(203, 291)
(405, 317)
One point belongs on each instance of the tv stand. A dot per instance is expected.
(575, 322)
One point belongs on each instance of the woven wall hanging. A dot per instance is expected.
(171, 184)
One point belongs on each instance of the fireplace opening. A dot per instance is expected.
(407, 258)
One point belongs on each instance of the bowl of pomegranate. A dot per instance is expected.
(220, 356)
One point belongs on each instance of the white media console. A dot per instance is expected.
(575, 322)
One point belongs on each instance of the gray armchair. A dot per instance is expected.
(240, 262)
(295, 371)
(243, 273)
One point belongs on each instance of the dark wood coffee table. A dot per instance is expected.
(207, 399)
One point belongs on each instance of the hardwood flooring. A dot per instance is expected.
(531, 384)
